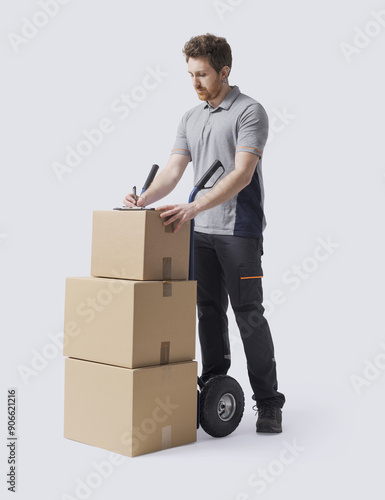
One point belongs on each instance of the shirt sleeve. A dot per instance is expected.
(253, 130)
(181, 145)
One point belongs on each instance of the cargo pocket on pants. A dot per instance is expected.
(250, 275)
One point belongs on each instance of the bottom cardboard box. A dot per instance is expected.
(130, 411)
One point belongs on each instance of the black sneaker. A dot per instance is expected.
(269, 417)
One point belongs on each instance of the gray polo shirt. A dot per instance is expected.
(205, 134)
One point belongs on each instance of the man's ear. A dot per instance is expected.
(225, 71)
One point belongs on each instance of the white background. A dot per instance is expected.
(324, 178)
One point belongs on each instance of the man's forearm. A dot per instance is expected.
(166, 180)
(228, 187)
(160, 187)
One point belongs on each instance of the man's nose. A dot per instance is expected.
(196, 82)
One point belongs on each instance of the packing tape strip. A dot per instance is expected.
(166, 268)
(166, 437)
(167, 289)
(164, 353)
(170, 227)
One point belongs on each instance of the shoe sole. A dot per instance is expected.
(269, 430)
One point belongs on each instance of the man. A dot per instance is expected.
(229, 219)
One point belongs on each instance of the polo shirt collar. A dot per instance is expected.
(227, 101)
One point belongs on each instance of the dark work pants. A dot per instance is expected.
(230, 266)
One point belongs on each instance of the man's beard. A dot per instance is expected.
(209, 95)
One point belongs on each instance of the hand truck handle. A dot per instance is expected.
(150, 178)
(207, 175)
(201, 184)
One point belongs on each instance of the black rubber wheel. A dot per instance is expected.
(221, 405)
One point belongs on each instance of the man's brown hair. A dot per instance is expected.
(214, 48)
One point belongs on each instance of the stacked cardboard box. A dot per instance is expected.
(130, 378)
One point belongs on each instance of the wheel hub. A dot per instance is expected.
(226, 407)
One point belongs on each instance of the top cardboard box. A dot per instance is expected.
(134, 244)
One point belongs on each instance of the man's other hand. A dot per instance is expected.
(182, 212)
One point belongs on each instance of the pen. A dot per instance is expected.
(134, 192)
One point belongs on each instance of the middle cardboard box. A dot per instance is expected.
(129, 323)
